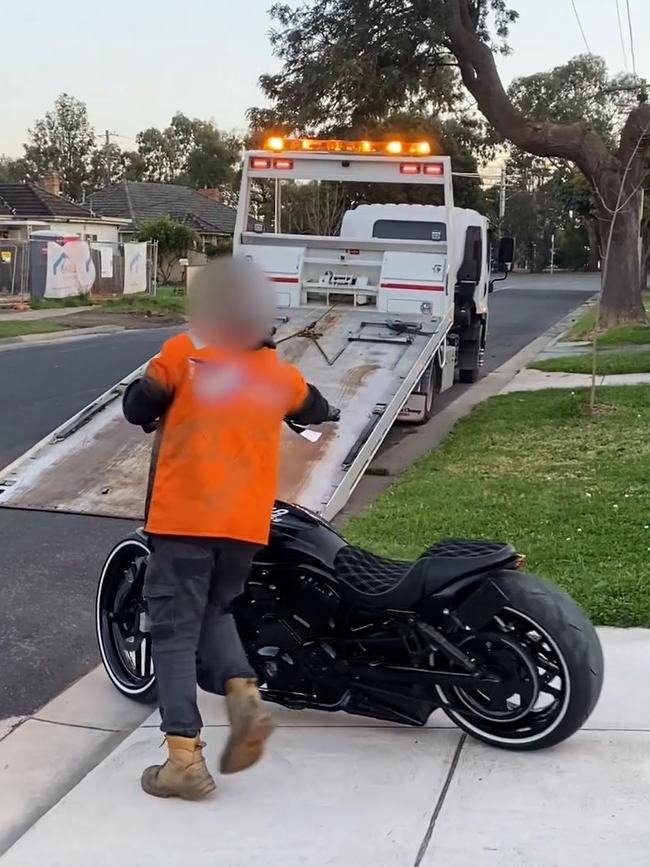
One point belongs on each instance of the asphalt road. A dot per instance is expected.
(42, 385)
(50, 563)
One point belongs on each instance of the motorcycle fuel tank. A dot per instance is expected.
(298, 534)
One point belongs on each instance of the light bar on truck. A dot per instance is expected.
(316, 145)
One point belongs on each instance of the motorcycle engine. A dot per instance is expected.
(287, 617)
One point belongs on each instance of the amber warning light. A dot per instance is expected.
(393, 148)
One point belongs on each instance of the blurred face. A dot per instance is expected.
(231, 305)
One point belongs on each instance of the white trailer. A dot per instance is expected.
(370, 320)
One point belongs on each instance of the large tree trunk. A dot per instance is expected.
(645, 259)
(617, 189)
(621, 299)
(579, 144)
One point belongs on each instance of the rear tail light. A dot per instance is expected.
(283, 165)
(410, 168)
(260, 163)
(434, 169)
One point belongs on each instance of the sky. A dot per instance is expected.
(136, 63)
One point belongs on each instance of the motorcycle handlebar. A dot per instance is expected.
(334, 415)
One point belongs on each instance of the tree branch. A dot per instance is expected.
(479, 72)
(635, 137)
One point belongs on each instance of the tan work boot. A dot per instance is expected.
(184, 774)
(250, 726)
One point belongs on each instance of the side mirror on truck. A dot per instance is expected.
(504, 260)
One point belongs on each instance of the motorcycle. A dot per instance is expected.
(511, 659)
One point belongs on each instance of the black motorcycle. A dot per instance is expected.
(510, 658)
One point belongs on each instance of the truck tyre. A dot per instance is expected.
(432, 389)
(470, 353)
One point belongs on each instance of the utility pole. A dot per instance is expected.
(553, 253)
(502, 194)
(278, 205)
(107, 160)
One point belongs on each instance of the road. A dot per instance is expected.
(50, 562)
(43, 385)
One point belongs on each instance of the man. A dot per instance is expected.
(218, 396)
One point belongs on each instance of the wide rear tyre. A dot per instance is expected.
(567, 666)
(120, 621)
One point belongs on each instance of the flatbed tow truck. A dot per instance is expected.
(379, 317)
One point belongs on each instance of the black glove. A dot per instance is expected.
(333, 414)
(151, 427)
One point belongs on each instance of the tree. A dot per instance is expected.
(110, 165)
(174, 242)
(213, 158)
(64, 141)
(12, 170)
(350, 60)
(192, 152)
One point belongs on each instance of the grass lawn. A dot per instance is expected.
(607, 362)
(165, 302)
(17, 329)
(569, 491)
(55, 303)
(584, 327)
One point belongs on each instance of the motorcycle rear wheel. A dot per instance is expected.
(549, 640)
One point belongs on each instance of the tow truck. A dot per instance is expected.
(379, 317)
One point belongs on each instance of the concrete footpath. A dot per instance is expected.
(40, 314)
(345, 791)
(539, 380)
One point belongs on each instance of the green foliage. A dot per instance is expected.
(223, 248)
(63, 140)
(174, 242)
(350, 62)
(12, 170)
(576, 92)
(192, 152)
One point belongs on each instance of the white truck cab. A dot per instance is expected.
(468, 262)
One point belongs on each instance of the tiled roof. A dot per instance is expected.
(27, 199)
(140, 201)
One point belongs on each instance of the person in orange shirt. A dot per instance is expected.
(217, 397)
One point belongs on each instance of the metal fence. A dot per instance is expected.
(59, 267)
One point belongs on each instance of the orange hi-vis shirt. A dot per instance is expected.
(216, 471)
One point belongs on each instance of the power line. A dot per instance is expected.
(575, 9)
(629, 22)
(620, 33)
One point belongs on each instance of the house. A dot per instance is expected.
(27, 208)
(141, 201)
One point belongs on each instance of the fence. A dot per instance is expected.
(56, 267)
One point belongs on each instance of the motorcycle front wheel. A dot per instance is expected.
(121, 621)
(550, 664)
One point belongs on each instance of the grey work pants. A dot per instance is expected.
(189, 587)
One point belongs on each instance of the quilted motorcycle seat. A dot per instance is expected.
(377, 582)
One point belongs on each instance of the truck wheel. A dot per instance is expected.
(432, 389)
(470, 354)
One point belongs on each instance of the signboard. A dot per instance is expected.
(70, 269)
(135, 267)
(106, 261)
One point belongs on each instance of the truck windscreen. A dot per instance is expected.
(410, 230)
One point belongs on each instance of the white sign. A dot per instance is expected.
(70, 269)
(135, 267)
(106, 260)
